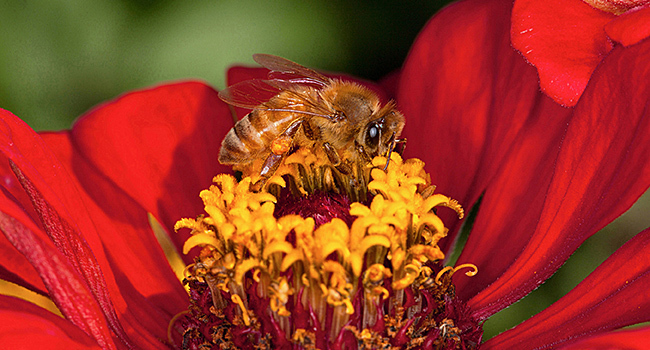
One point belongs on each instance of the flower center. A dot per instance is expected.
(321, 206)
(320, 260)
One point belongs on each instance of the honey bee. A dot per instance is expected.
(299, 107)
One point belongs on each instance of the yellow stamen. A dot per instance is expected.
(471, 273)
(393, 239)
(237, 300)
(170, 326)
(453, 270)
(187, 271)
(280, 297)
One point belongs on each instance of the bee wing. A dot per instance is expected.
(249, 93)
(285, 76)
(252, 94)
(283, 69)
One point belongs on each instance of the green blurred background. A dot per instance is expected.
(60, 58)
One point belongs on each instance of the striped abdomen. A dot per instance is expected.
(251, 137)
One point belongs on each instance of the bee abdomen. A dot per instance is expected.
(243, 142)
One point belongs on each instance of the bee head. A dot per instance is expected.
(380, 132)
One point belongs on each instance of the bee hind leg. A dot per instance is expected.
(279, 148)
(283, 143)
(271, 165)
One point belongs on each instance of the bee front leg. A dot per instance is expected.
(335, 159)
(362, 152)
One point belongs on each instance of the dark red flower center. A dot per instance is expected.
(317, 270)
(321, 206)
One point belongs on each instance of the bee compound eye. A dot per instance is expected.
(372, 135)
(373, 132)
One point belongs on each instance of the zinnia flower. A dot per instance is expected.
(78, 207)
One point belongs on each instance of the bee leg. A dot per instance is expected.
(344, 169)
(391, 146)
(334, 158)
(283, 143)
(309, 132)
(403, 148)
(332, 155)
(279, 148)
(270, 165)
(362, 151)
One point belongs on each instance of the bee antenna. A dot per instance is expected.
(390, 150)
(392, 146)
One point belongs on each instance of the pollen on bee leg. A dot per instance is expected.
(281, 145)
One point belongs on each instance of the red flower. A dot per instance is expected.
(75, 203)
(567, 39)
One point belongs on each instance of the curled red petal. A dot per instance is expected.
(52, 193)
(564, 39)
(466, 96)
(16, 269)
(24, 325)
(630, 27)
(617, 7)
(615, 295)
(13, 265)
(602, 169)
(66, 287)
(634, 339)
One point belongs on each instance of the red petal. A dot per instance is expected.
(61, 212)
(24, 325)
(635, 339)
(15, 268)
(390, 83)
(147, 284)
(615, 295)
(237, 74)
(513, 202)
(466, 96)
(67, 289)
(158, 145)
(630, 27)
(602, 169)
(564, 39)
